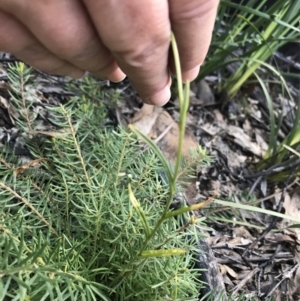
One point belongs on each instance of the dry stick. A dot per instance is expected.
(272, 195)
(24, 103)
(279, 167)
(286, 275)
(262, 269)
(28, 205)
(167, 129)
(256, 258)
(296, 181)
(284, 256)
(266, 231)
(5, 163)
(275, 218)
(248, 277)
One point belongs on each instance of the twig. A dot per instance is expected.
(275, 218)
(24, 101)
(283, 256)
(29, 205)
(286, 275)
(262, 269)
(291, 164)
(248, 277)
(76, 144)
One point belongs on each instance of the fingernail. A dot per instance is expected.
(116, 76)
(77, 74)
(190, 75)
(169, 84)
(162, 97)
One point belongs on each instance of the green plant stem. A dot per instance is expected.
(183, 95)
(148, 238)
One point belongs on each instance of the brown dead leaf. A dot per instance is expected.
(5, 105)
(222, 268)
(213, 240)
(4, 85)
(230, 271)
(153, 121)
(228, 281)
(243, 140)
(279, 237)
(145, 118)
(239, 241)
(59, 134)
(21, 169)
(218, 115)
(292, 208)
(242, 232)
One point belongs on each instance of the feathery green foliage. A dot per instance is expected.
(88, 216)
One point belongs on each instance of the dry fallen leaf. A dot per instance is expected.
(279, 237)
(153, 121)
(295, 288)
(292, 208)
(239, 241)
(243, 140)
(222, 269)
(5, 105)
(242, 232)
(21, 169)
(230, 271)
(59, 134)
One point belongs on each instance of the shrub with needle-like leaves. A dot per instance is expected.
(88, 215)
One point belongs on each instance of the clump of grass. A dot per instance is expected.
(247, 35)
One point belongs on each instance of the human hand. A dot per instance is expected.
(110, 38)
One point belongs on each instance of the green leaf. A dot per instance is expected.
(162, 253)
(140, 211)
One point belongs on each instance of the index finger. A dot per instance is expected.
(138, 35)
(192, 23)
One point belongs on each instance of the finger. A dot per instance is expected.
(63, 27)
(138, 35)
(16, 39)
(192, 23)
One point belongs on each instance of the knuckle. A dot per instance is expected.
(192, 9)
(67, 47)
(142, 54)
(67, 41)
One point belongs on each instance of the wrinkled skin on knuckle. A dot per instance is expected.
(14, 37)
(75, 51)
(145, 53)
(67, 36)
(65, 41)
(194, 9)
(6, 40)
(192, 22)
